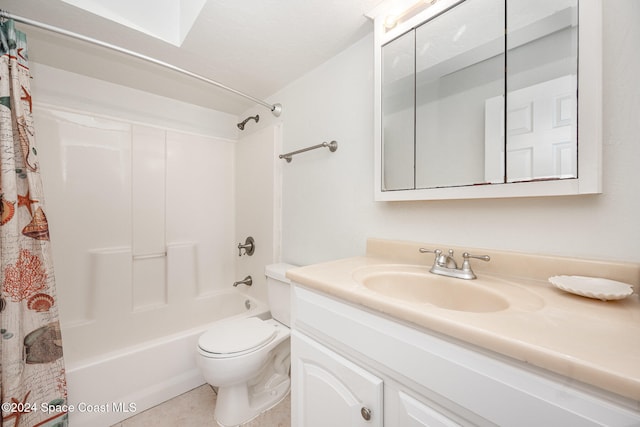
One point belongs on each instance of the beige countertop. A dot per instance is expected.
(592, 341)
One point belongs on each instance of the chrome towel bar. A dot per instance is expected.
(333, 146)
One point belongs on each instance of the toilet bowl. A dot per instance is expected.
(249, 359)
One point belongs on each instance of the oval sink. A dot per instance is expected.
(417, 285)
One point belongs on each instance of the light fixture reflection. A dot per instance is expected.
(395, 18)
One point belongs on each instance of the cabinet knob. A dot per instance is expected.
(366, 413)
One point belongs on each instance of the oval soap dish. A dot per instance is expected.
(592, 287)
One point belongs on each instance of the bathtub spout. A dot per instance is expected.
(246, 281)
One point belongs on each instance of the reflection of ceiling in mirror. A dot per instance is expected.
(397, 59)
(476, 23)
(463, 28)
(521, 13)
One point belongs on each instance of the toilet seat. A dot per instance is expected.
(229, 339)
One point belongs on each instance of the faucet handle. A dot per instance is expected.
(438, 252)
(467, 255)
(465, 264)
(441, 259)
(433, 251)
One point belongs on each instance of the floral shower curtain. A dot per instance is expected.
(32, 377)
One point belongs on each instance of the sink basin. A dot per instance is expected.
(417, 285)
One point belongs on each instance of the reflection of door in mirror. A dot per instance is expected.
(541, 133)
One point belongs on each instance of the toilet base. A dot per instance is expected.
(240, 403)
(234, 415)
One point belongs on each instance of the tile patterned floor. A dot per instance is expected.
(195, 408)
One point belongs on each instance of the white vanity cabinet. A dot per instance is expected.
(346, 358)
(405, 410)
(330, 390)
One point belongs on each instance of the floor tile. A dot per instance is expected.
(195, 408)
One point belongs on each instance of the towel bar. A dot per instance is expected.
(333, 146)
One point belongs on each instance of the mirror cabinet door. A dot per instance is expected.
(542, 103)
(459, 66)
(398, 118)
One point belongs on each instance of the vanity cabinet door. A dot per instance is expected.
(329, 390)
(404, 410)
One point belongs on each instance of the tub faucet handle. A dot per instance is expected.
(249, 246)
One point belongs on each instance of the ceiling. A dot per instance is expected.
(254, 46)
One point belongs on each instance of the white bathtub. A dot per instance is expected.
(114, 386)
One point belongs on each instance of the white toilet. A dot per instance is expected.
(249, 359)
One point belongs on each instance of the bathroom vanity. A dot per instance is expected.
(520, 353)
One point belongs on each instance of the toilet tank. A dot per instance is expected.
(279, 292)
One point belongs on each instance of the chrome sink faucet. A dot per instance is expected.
(446, 265)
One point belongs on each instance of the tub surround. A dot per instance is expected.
(139, 269)
(587, 340)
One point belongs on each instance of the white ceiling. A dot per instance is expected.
(255, 46)
(171, 20)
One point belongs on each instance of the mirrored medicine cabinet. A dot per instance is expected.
(487, 98)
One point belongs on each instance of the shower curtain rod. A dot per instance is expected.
(276, 109)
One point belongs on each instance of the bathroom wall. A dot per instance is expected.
(328, 207)
(258, 203)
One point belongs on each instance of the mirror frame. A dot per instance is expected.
(589, 179)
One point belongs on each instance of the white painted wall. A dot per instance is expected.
(328, 207)
(258, 204)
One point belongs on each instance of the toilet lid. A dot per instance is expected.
(237, 336)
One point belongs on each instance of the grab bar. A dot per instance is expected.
(333, 146)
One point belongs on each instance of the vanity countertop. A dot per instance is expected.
(592, 341)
